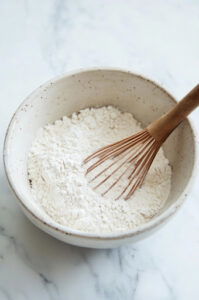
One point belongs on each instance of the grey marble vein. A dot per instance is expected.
(50, 287)
(4, 294)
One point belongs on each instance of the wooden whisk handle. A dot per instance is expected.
(162, 127)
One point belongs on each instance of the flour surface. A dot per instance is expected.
(58, 180)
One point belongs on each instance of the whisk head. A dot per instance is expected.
(128, 160)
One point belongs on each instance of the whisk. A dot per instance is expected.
(135, 154)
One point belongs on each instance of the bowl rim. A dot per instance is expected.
(52, 225)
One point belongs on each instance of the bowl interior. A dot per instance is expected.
(130, 92)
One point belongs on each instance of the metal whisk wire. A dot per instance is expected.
(135, 153)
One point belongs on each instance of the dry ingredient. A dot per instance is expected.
(58, 179)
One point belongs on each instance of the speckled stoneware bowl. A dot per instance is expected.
(96, 87)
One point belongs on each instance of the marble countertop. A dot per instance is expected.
(41, 39)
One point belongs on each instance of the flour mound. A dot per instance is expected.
(58, 180)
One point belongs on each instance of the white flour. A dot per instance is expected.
(58, 180)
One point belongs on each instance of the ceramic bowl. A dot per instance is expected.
(97, 87)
